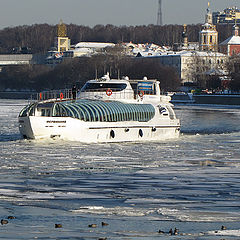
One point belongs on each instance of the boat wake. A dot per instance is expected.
(206, 131)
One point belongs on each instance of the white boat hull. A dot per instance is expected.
(66, 128)
(105, 110)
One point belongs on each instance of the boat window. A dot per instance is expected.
(28, 110)
(148, 88)
(59, 111)
(42, 112)
(24, 112)
(32, 111)
(91, 87)
(112, 134)
(48, 112)
(162, 110)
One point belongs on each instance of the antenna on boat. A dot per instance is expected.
(106, 77)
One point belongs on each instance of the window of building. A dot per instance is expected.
(204, 39)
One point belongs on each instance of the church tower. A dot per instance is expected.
(62, 41)
(208, 37)
(235, 30)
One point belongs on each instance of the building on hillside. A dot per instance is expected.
(208, 36)
(87, 49)
(228, 15)
(63, 49)
(185, 44)
(190, 65)
(194, 61)
(21, 59)
(15, 59)
(143, 49)
(90, 48)
(62, 41)
(231, 46)
(81, 49)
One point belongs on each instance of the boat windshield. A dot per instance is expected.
(102, 87)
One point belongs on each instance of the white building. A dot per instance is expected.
(89, 48)
(81, 49)
(191, 64)
(143, 49)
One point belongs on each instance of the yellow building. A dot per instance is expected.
(228, 15)
(62, 41)
(208, 36)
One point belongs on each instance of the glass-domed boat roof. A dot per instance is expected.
(92, 110)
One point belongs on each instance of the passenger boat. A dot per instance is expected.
(104, 110)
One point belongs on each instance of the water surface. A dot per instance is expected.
(191, 183)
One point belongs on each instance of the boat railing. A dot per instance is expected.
(60, 94)
(67, 94)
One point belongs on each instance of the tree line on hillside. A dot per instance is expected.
(40, 37)
(79, 70)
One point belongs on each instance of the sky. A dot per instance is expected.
(116, 12)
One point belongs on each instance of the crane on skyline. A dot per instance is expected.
(159, 15)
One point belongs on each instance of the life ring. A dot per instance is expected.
(109, 92)
(61, 96)
(141, 93)
(40, 96)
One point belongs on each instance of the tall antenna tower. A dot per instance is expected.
(159, 16)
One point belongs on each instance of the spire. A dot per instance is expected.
(62, 29)
(208, 9)
(208, 18)
(208, 38)
(235, 28)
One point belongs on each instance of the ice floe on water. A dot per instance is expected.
(225, 233)
(115, 211)
(191, 183)
(198, 216)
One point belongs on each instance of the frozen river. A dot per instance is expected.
(191, 183)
